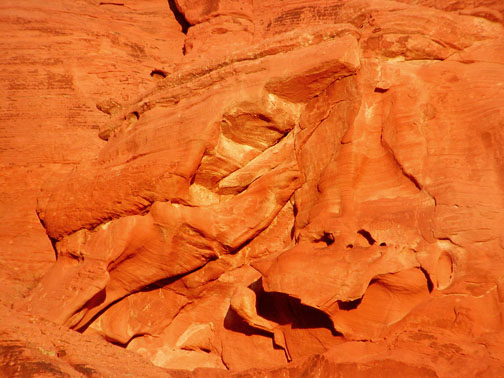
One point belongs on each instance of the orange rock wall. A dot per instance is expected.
(234, 188)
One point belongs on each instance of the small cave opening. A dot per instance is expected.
(367, 236)
(179, 16)
(53, 245)
(158, 74)
(383, 244)
(327, 238)
(133, 116)
(380, 90)
(349, 246)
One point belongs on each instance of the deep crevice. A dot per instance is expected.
(430, 285)
(179, 16)
(406, 174)
(52, 240)
(53, 244)
(293, 232)
(94, 301)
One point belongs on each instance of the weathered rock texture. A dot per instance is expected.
(252, 188)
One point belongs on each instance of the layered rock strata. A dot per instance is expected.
(305, 188)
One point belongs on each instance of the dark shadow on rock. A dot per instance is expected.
(285, 309)
(179, 16)
(233, 322)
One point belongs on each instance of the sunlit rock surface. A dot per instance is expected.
(252, 188)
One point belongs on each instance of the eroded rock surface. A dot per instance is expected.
(311, 188)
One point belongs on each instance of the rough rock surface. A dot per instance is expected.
(229, 188)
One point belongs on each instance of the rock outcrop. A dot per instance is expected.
(239, 189)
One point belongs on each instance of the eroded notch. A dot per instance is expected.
(367, 236)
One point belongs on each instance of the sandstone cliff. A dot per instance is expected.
(229, 188)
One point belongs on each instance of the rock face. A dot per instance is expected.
(267, 188)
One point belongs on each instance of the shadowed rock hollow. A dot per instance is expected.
(232, 188)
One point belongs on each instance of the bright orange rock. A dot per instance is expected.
(267, 189)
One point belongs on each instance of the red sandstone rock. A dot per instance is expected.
(313, 189)
(58, 61)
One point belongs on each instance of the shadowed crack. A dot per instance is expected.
(403, 170)
(179, 16)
